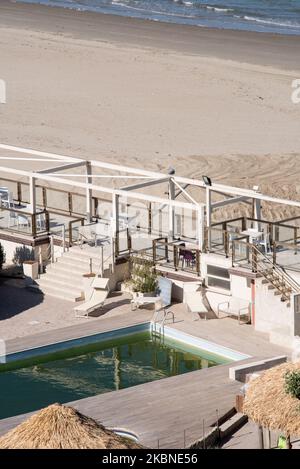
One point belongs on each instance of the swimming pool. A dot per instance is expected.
(84, 367)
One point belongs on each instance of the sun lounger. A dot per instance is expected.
(97, 299)
(194, 302)
(143, 300)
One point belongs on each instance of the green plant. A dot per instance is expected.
(292, 383)
(143, 276)
(2, 256)
(23, 254)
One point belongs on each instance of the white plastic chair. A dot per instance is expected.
(265, 243)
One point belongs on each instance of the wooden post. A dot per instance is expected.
(129, 241)
(44, 195)
(19, 190)
(175, 255)
(117, 245)
(70, 203)
(226, 242)
(149, 218)
(33, 224)
(40, 261)
(166, 249)
(47, 221)
(295, 239)
(198, 262)
(154, 251)
(96, 203)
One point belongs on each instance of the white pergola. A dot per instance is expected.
(89, 182)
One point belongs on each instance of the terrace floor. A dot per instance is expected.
(169, 413)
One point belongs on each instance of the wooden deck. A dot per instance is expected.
(168, 412)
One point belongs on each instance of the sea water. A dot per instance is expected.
(275, 16)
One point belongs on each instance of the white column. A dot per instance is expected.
(200, 227)
(88, 195)
(32, 194)
(208, 215)
(115, 214)
(171, 210)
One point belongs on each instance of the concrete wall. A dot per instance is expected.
(241, 287)
(213, 259)
(270, 312)
(120, 274)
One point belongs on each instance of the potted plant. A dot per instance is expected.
(143, 277)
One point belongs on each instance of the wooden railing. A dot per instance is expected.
(174, 252)
(20, 221)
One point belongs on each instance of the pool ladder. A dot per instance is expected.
(159, 332)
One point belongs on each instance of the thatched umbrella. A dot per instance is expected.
(269, 404)
(62, 427)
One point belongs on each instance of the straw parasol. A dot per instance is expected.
(269, 405)
(62, 427)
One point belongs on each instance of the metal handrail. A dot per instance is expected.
(155, 320)
(286, 278)
(162, 326)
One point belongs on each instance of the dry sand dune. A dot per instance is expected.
(78, 85)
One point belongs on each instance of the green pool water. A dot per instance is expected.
(94, 369)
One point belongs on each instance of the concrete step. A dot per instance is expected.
(82, 265)
(63, 280)
(65, 270)
(60, 290)
(58, 293)
(232, 425)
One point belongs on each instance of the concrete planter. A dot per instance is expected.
(87, 280)
(31, 270)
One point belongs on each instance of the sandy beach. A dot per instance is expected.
(152, 94)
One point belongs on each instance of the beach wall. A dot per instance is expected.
(275, 317)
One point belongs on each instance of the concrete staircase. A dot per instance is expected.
(282, 284)
(63, 278)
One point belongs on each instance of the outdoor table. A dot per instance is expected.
(253, 234)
